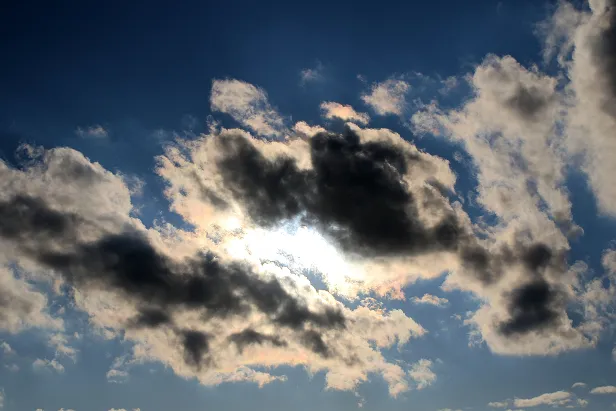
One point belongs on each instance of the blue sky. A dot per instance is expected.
(327, 206)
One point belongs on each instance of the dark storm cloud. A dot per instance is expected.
(196, 345)
(354, 194)
(604, 56)
(535, 306)
(128, 263)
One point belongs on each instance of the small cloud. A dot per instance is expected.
(12, 367)
(248, 105)
(582, 402)
(41, 365)
(606, 389)
(498, 404)
(308, 75)
(331, 110)
(387, 97)
(422, 374)
(96, 131)
(304, 129)
(431, 300)
(578, 385)
(448, 84)
(552, 398)
(2, 398)
(6, 348)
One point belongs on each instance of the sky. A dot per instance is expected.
(336, 206)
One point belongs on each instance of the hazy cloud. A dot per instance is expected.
(314, 74)
(96, 131)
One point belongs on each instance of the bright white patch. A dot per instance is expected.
(297, 247)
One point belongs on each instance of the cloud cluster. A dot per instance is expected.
(522, 128)
(70, 220)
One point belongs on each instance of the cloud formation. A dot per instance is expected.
(124, 276)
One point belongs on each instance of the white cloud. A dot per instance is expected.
(578, 385)
(45, 364)
(387, 97)
(422, 374)
(431, 300)
(498, 404)
(248, 105)
(305, 130)
(582, 402)
(96, 131)
(344, 112)
(21, 305)
(606, 389)
(554, 399)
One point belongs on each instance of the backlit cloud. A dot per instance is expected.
(332, 110)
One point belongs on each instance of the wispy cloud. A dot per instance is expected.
(95, 131)
(45, 364)
(314, 74)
